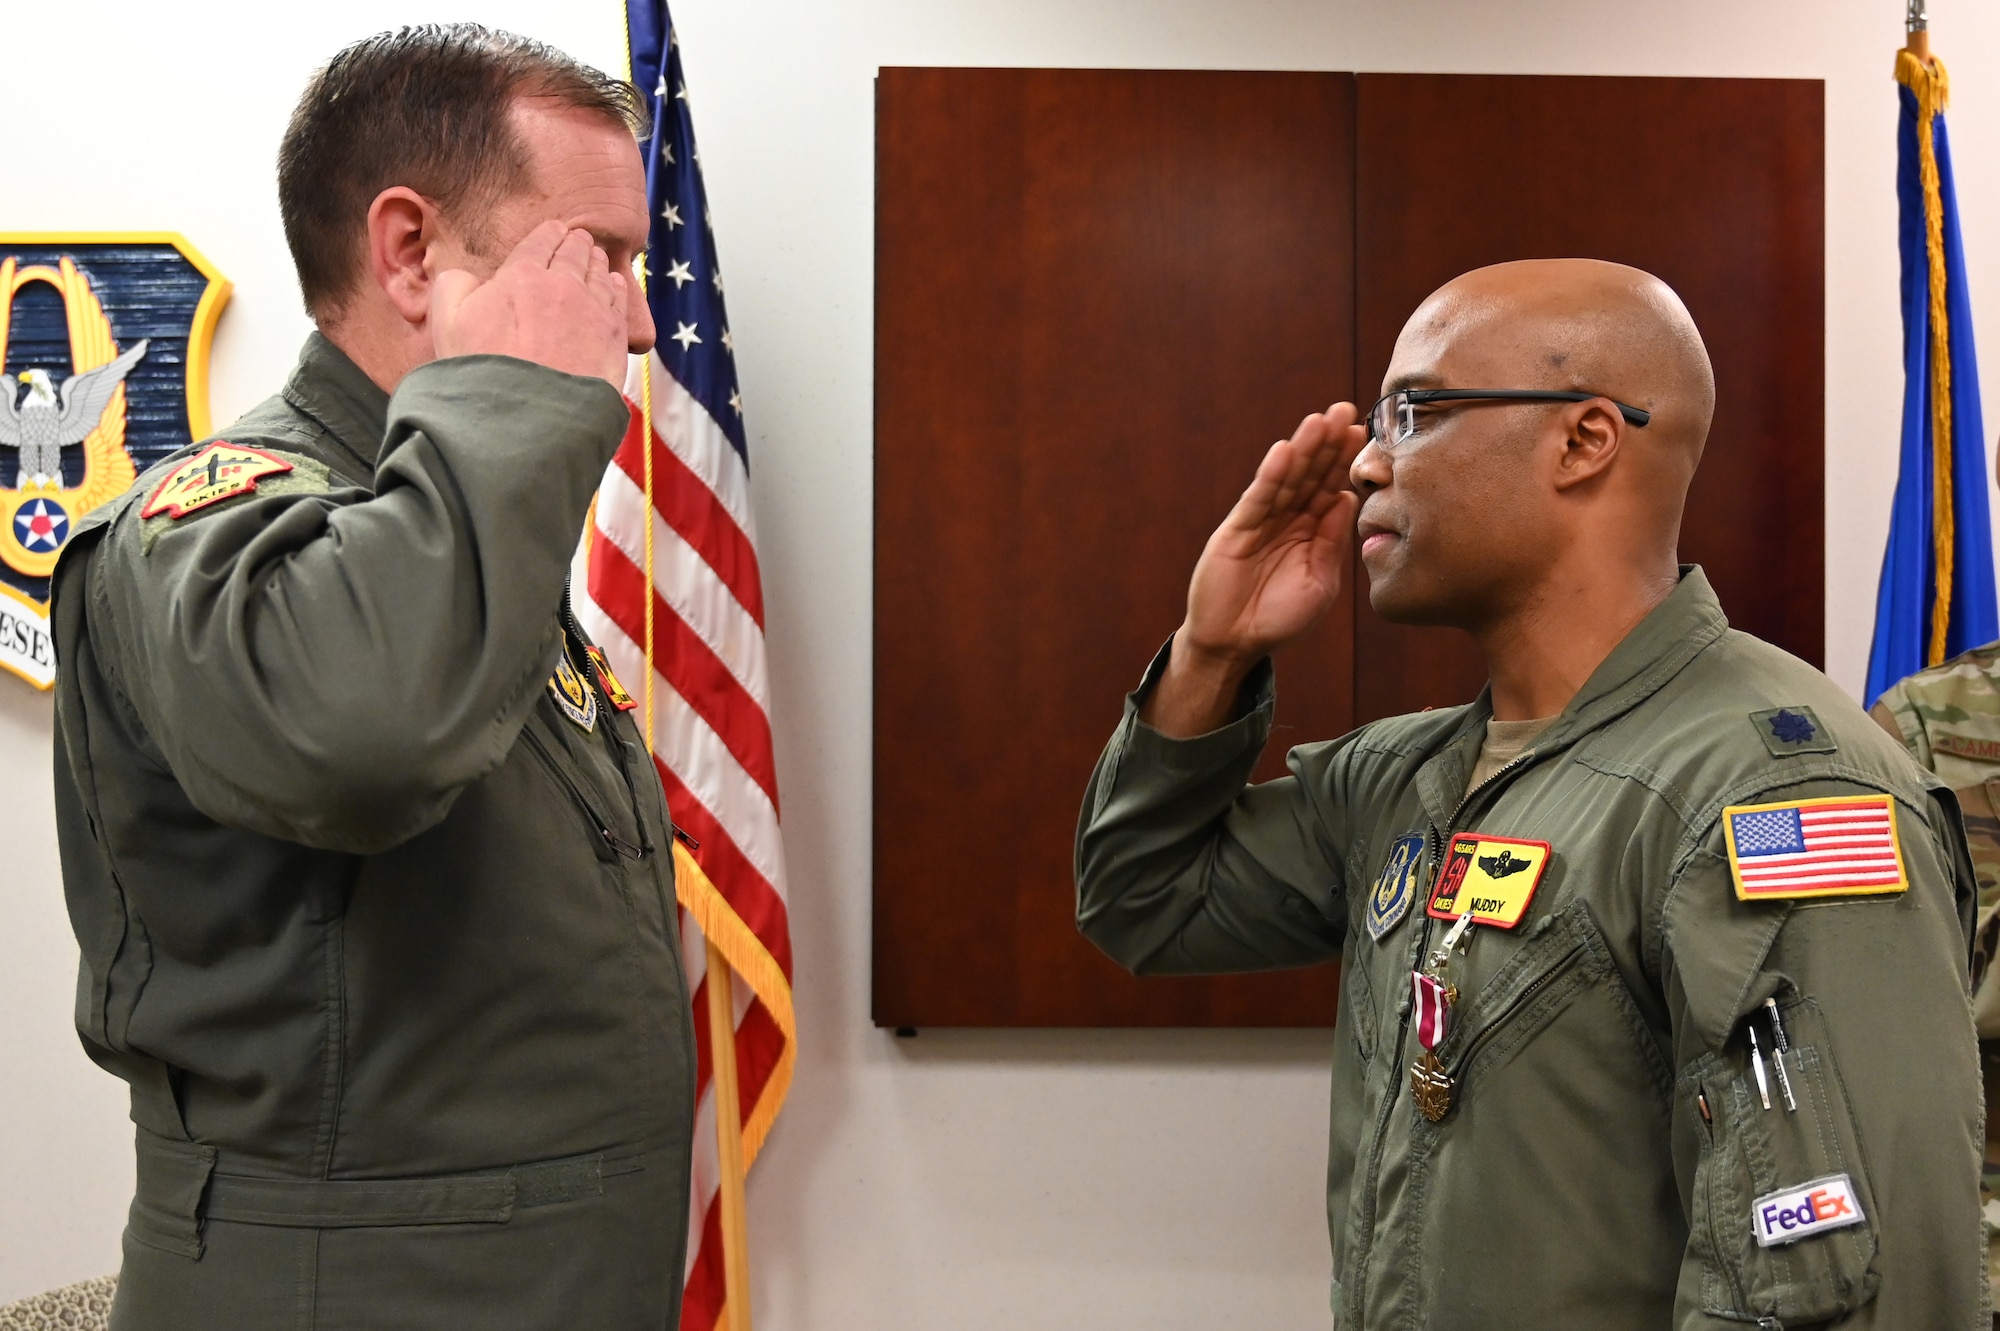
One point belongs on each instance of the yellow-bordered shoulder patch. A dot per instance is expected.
(221, 471)
(1844, 846)
(1494, 877)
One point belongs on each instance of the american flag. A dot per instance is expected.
(678, 504)
(1816, 847)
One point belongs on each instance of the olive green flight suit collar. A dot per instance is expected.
(1658, 648)
(329, 387)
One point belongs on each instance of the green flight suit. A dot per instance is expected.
(384, 943)
(1949, 719)
(1605, 1142)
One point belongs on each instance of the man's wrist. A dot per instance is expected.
(1198, 690)
(1211, 666)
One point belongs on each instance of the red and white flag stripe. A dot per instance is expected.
(1846, 845)
(711, 738)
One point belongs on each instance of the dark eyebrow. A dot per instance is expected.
(1414, 379)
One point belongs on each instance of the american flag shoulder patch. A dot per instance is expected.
(1846, 846)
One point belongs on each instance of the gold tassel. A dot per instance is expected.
(1932, 87)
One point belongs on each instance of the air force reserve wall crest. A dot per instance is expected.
(104, 341)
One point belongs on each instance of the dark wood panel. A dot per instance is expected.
(1713, 184)
(1100, 295)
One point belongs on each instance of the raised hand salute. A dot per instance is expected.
(1267, 575)
(400, 855)
(1602, 1034)
(556, 301)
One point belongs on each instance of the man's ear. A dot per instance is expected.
(1590, 444)
(402, 228)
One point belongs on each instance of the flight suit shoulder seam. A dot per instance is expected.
(1655, 782)
(1767, 787)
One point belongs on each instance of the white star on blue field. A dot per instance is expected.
(41, 524)
(683, 275)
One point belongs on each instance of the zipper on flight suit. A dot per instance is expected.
(1397, 1080)
(611, 838)
(1563, 965)
(1436, 845)
(573, 632)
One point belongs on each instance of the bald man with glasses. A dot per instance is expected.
(1654, 1006)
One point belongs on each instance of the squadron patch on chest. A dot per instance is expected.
(613, 690)
(574, 697)
(1395, 885)
(221, 471)
(1841, 847)
(1494, 877)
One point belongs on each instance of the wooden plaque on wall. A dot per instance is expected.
(1100, 295)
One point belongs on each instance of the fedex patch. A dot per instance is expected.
(1801, 1212)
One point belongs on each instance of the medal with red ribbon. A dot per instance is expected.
(1433, 1008)
(1430, 1013)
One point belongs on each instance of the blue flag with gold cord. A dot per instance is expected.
(1936, 597)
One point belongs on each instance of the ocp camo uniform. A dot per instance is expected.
(1949, 719)
(1661, 1022)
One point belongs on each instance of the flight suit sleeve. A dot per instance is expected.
(332, 668)
(1182, 868)
(1851, 1201)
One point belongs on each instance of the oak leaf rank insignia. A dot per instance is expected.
(221, 471)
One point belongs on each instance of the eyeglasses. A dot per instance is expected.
(1393, 418)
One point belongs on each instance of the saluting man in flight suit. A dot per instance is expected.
(1654, 1008)
(368, 867)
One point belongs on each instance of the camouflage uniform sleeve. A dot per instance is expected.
(331, 667)
(1883, 1075)
(1182, 868)
(1883, 717)
(1896, 712)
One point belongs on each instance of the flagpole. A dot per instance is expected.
(728, 1140)
(1917, 24)
(721, 979)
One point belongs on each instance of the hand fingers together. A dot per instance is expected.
(573, 255)
(537, 249)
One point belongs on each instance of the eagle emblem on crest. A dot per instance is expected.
(104, 343)
(40, 426)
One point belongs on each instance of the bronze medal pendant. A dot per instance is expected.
(1431, 1004)
(574, 698)
(1430, 1086)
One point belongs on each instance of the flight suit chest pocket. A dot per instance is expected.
(1559, 962)
(1782, 1214)
(583, 768)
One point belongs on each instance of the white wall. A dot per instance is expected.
(960, 1180)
